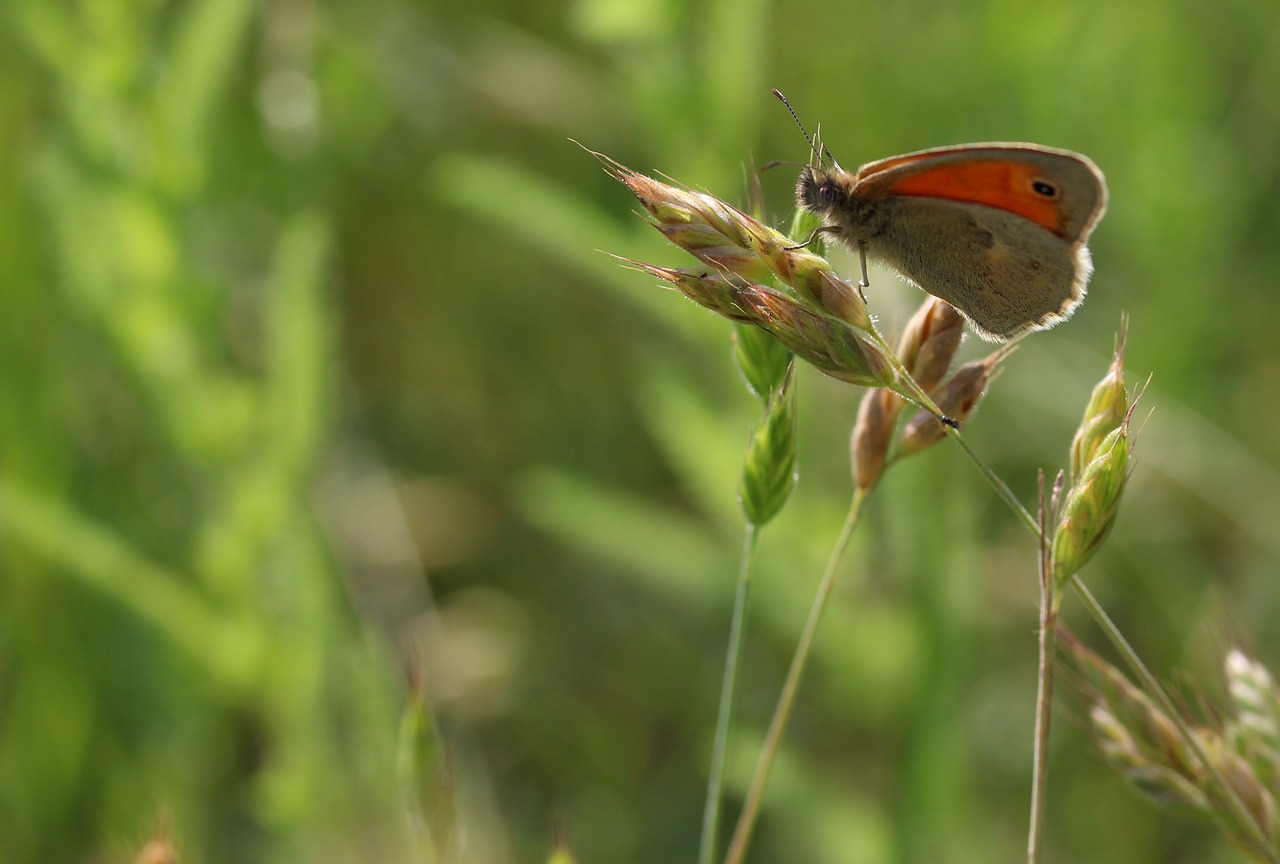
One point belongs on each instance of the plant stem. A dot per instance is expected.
(1002, 488)
(1049, 596)
(737, 627)
(924, 400)
(1044, 705)
(786, 701)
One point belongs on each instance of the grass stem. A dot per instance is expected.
(737, 629)
(786, 701)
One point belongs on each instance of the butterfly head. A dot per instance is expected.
(823, 191)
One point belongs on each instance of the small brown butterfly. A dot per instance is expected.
(996, 230)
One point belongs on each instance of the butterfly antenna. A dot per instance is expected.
(818, 149)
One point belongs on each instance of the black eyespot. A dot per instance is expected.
(1044, 188)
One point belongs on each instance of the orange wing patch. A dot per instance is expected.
(1001, 184)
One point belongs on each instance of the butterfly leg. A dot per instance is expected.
(865, 281)
(814, 236)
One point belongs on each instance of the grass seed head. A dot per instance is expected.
(930, 341)
(958, 399)
(1091, 505)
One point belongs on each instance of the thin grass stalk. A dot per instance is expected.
(786, 701)
(1047, 642)
(728, 685)
(1044, 703)
(1002, 488)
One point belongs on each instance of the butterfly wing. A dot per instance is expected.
(1005, 273)
(996, 230)
(1061, 191)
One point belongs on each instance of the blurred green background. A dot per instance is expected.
(316, 392)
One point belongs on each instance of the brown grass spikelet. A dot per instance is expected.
(727, 239)
(958, 399)
(872, 435)
(929, 342)
(834, 348)
(709, 289)
(926, 349)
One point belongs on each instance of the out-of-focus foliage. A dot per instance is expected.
(315, 393)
